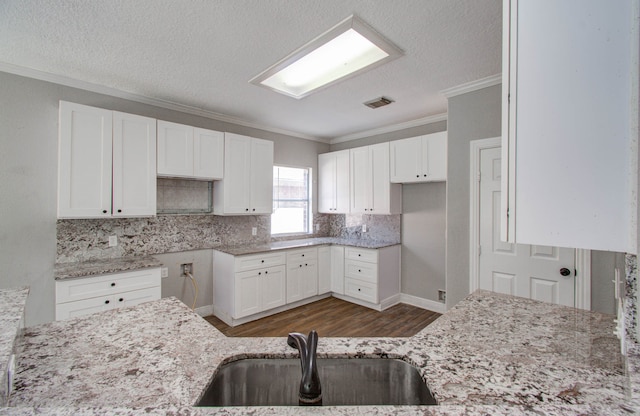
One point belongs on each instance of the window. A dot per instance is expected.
(291, 200)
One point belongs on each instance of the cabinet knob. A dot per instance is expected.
(246, 209)
(359, 289)
(113, 284)
(266, 271)
(425, 175)
(259, 273)
(306, 264)
(119, 210)
(121, 299)
(104, 211)
(359, 271)
(301, 265)
(417, 176)
(262, 261)
(253, 209)
(106, 302)
(359, 255)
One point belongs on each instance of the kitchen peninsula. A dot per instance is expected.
(491, 353)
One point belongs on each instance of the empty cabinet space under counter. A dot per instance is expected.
(86, 295)
(372, 276)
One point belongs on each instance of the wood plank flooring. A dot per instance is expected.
(333, 317)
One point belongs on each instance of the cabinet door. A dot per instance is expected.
(295, 282)
(261, 176)
(406, 160)
(360, 177)
(324, 270)
(327, 183)
(208, 154)
(236, 197)
(175, 149)
(85, 148)
(134, 165)
(342, 182)
(248, 296)
(569, 179)
(380, 185)
(434, 157)
(273, 287)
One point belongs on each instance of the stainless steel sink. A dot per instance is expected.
(348, 382)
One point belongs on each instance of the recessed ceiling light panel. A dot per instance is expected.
(347, 49)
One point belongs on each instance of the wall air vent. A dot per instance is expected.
(378, 102)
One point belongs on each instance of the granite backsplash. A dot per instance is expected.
(88, 239)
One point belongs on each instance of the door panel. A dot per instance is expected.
(517, 269)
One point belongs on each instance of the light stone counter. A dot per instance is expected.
(304, 242)
(12, 303)
(98, 267)
(491, 354)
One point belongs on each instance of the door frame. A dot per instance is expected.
(582, 257)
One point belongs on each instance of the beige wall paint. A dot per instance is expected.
(28, 178)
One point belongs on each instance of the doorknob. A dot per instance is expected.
(565, 272)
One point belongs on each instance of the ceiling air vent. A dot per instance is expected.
(378, 102)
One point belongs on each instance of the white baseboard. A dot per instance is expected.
(204, 310)
(428, 304)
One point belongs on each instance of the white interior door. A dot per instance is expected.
(529, 271)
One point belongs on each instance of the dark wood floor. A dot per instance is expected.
(333, 317)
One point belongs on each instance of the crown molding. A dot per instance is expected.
(389, 129)
(169, 105)
(472, 86)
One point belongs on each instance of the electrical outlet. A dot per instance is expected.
(164, 272)
(442, 295)
(186, 268)
(113, 240)
(364, 228)
(317, 227)
(254, 230)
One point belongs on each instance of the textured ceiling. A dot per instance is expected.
(203, 53)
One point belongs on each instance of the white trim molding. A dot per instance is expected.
(472, 86)
(583, 279)
(388, 129)
(170, 105)
(430, 305)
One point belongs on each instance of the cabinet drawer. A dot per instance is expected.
(362, 254)
(91, 287)
(300, 256)
(361, 270)
(103, 303)
(256, 261)
(361, 290)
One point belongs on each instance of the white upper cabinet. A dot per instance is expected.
(107, 163)
(247, 187)
(570, 112)
(419, 159)
(189, 152)
(333, 187)
(371, 191)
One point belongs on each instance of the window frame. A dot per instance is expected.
(309, 200)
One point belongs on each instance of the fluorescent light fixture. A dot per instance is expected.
(349, 48)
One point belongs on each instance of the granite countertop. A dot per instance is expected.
(97, 267)
(491, 353)
(12, 303)
(304, 242)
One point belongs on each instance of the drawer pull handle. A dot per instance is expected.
(106, 302)
(113, 284)
(121, 300)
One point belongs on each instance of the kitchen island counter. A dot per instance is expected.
(490, 354)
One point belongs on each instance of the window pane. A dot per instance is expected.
(290, 200)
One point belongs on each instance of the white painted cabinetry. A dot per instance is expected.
(373, 275)
(324, 269)
(247, 187)
(106, 163)
(87, 295)
(419, 159)
(247, 285)
(570, 112)
(333, 182)
(302, 274)
(371, 191)
(189, 152)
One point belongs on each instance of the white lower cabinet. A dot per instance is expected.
(249, 287)
(302, 274)
(373, 275)
(87, 295)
